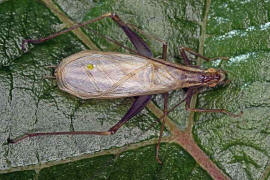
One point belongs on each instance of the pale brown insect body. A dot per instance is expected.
(105, 75)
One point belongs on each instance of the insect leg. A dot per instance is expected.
(187, 61)
(191, 92)
(136, 107)
(146, 34)
(164, 47)
(165, 109)
(165, 112)
(136, 40)
(38, 41)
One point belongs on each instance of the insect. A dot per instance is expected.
(105, 75)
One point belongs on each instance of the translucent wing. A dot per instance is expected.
(91, 74)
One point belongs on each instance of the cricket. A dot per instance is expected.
(105, 75)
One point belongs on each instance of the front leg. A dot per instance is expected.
(187, 61)
(192, 91)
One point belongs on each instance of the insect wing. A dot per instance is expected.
(91, 74)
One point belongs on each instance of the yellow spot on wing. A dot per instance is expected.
(90, 66)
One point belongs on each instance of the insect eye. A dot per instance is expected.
(211, 70)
